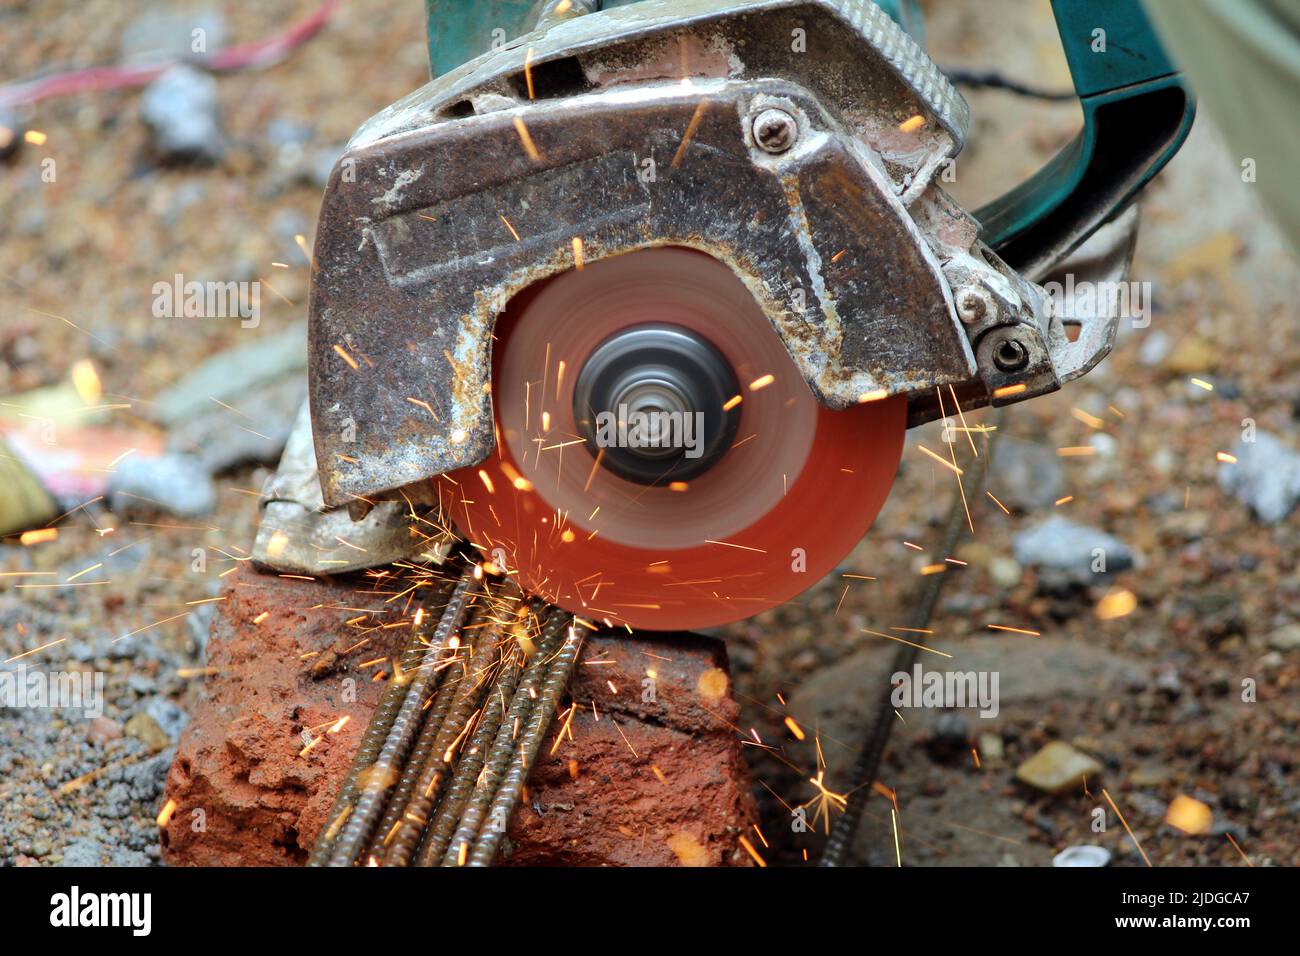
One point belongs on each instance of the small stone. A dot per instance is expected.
(101, 730)
(1026, 476)
(1193, 354)
(1265, 477)
(1005, 572)
(1086, 855)
(177, 484)
(82, 852)
(170, 717)
(1285, 638)
(1067, 553)
(180, 108)
(1155, 348)
(1056, 768)
(990, 748)
(145, 729)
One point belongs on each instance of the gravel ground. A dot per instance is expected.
(1153, 696)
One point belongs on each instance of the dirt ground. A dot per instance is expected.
(1154, 696)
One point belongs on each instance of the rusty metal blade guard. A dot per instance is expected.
(633, 128)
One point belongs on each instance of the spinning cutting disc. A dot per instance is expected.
(789, 494)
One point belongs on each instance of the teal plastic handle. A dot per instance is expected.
(1136, 114)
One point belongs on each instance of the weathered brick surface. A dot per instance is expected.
(653, 774)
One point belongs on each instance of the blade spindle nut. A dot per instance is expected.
(1010, 356)
(775, 131)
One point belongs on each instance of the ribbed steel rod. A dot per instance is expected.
(378, 779)
(877, 735)
(419, 756)
(512, 784)
(498, 759)
(474, 755)
(376, 733)
(415, 816)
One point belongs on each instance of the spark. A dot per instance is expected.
(1076, 451)
(795, 729)
(35, 137)
(1126, 826)
(510, 227)
(763, 381)
(940, 459)
(1224, 457)
(487, 481)
(187, 672)
(93, 567)
(39, 536)
(35, 650)
(952, 455)
(528, 72)
(934, 569)
(749, 848)
(730, 545)
(301, 242)
(898, 850)
(873, 396)
(1092, 421)
(1008, 390)
(1013, 630)
(893, 637)
(996, 502)
(1116, 603)
(1239, 849)
(529, 147)
(911, 124)
(578, 261)
(825, 800)
(261, 617)
(131, 451)
(86, 382)
(421, 403)
(1201, 383)
(962, 415)
(165, 814)
(1064, 501)
(691, 127)
(343, 354)
(148, 626)
(625, 740)
(732, 402)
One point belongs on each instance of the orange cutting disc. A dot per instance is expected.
(794, 493)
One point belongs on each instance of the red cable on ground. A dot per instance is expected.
(257, 53)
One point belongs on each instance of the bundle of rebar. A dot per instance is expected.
(443, 763)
